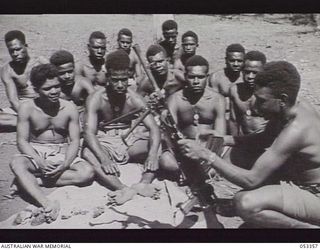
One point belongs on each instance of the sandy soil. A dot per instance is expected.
(271, 34)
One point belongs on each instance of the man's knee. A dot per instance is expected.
(85, 173)
(168, 162)
(19, 164)
(246, 204)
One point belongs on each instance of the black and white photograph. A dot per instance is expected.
(160, 121)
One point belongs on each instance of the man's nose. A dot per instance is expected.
(196, 80)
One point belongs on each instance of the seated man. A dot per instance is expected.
(45, 125)
(222, 80)
(125, 43)
(169, 43)
(189, 46)
(105, 148)
(92, 66)
(293, 137)
(159, 67)
(74, 88)
(15, 77)
(242, 98)
(194, 109)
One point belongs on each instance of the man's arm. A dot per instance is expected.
(138, 70)
(78, 69)
(144, 86)
(91, 123)
(179, 70)
(74, 135)
(285, 145)
(213, 82)
(87, 85)
(11, 89)
(23, 132)
(220, 111)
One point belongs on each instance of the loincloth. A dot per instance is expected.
(52, 153)
(300, 202)
(114, 146)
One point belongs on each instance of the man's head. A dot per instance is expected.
(64, 62)
(189, 42)
(97, 45)
(234, 57)
(253, 63)
(196, 73)
(157, 58)
(117, 65)
(125, 39)
(45, 82)
(276, 88)
(170, 32)
(17, 47)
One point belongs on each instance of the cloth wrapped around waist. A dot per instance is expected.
(112, 143)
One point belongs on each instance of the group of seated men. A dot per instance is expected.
(272, 144)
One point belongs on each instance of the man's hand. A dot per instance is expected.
(110, 167)
(193, 150)
(57, 171)
(151, 163)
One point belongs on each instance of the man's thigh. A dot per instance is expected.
(26, 162)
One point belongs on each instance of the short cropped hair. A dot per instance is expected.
(97, 35)
(255, 55)
(197, 60)
(155, 49)
(190, 34)
(280, 77)
(125, 32)
(61, 57)
(40, 73)
(235, 47)
(15, 34)
(169, 25)
(117, 60)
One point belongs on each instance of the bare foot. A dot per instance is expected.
(52, 211)
(121, 196)
(148, 190)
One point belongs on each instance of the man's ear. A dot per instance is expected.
(284, 98)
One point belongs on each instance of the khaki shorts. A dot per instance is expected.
(52, 153)
(299, 203)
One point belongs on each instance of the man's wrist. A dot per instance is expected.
(209, 159)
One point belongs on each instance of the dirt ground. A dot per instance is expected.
(272, 34)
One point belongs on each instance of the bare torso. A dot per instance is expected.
(21, 77)
(221, 83)
(96, 74)
(243, 107)
(49, 128)
(201, 115)
(304, 163)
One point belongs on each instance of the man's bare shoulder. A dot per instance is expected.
(176, 96)
(210, 94)
(217, 74)
(82, 81)
(27, 106)
(67, 105)
(135, 98)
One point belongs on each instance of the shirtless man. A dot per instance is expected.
(169, 43)
(159, 67)
(222, 80)
(15, 77)
(45, 124)
(242, 98)
(293, 137)
(125, 43)
(189, 46)
(105, 148)
(195, 108)
(93, 66)
(74, 88)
